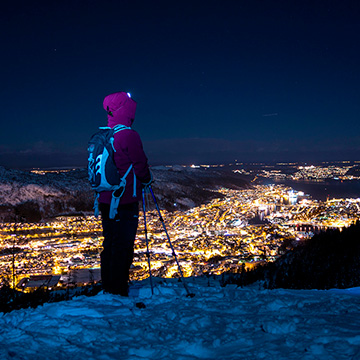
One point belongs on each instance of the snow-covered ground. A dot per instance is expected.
(218, 323)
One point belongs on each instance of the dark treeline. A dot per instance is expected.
(328, 260)
(11, 299)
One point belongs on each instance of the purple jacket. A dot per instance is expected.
(129, 150)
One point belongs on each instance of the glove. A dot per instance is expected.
(147, 184)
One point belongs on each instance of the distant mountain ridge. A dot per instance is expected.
(31, 197)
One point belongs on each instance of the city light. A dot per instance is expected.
(243, 227)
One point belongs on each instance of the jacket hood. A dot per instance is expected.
(121, 109)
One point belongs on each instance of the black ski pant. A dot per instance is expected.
(118, 246)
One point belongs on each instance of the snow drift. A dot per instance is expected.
(218, 323)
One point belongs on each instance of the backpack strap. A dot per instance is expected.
(96, 204)
(134, 187)
(116, 128)
(116, 195)
(120, 127)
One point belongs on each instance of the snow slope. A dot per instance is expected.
(218, 323)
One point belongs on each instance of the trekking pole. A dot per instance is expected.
(147, 242)
(189, 294)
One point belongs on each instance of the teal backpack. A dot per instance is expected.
(102, 171)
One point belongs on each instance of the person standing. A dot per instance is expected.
(119, 233)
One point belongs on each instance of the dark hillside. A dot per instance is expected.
(180, 188)
(355, 171)
(328, 260)
(30, 197)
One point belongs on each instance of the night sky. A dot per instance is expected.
(215, 81)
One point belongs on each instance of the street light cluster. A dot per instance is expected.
(242, 227)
